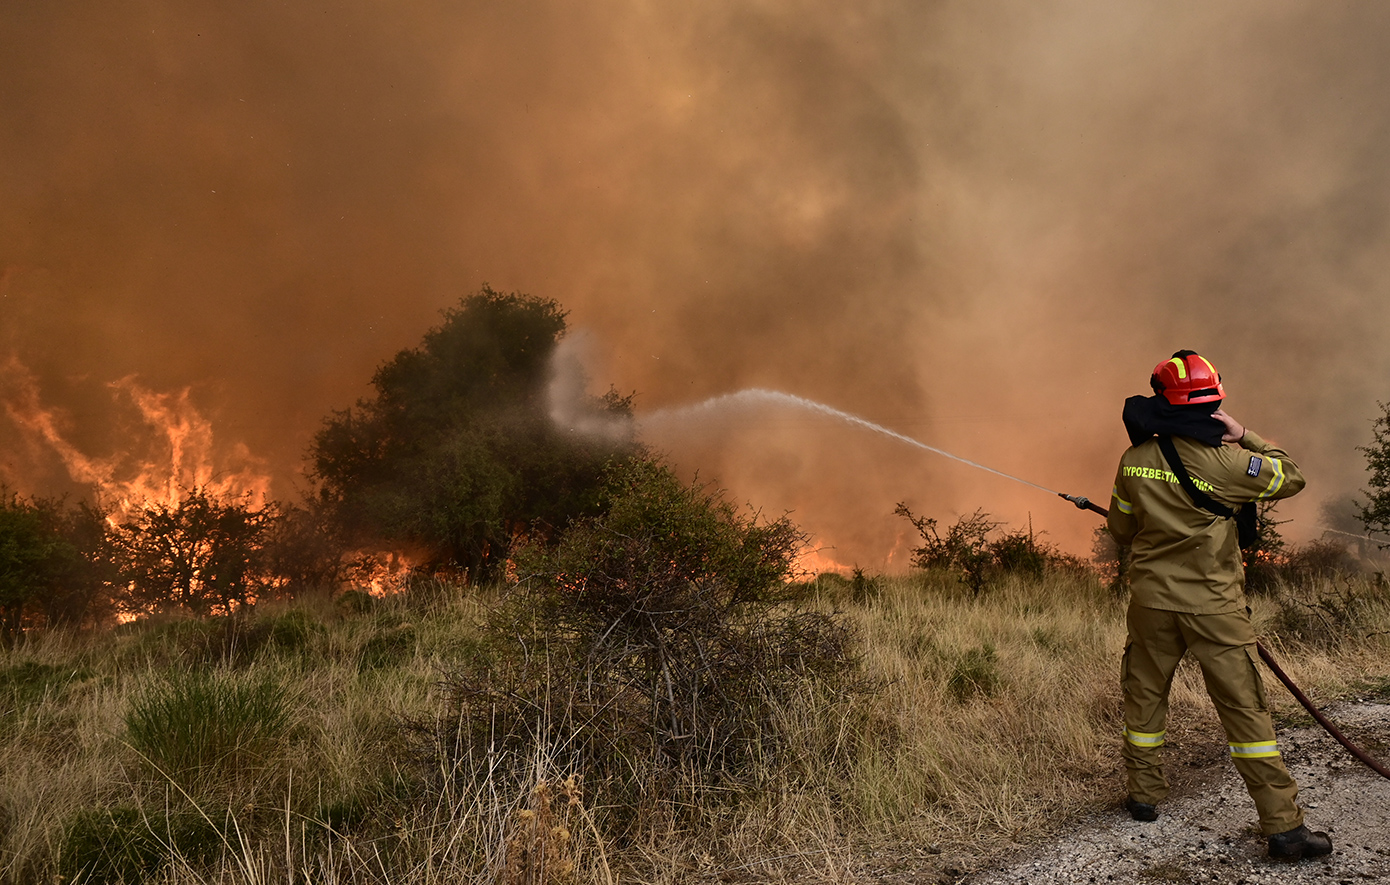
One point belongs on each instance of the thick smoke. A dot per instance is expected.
(979, 225)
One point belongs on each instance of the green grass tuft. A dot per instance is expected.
(975, 672)
(204, 726)
(27, 683)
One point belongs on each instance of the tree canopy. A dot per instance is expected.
(1375, 511)
(455, 454)
(202, 555)
(54, 562)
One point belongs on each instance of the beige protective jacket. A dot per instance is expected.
(1184, 558)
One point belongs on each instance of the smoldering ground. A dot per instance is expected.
(978, 224)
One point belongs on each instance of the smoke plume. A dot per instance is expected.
(979, 225)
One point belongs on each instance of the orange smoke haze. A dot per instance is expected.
(977, 224)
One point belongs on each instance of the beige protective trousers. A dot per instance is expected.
(1224, 645)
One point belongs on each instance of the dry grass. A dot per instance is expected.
(997, 713)
(994, 718)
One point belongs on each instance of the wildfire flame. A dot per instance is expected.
(181, 454)
(382, 572)
(813, 561)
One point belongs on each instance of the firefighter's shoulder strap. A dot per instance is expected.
(1246, 529)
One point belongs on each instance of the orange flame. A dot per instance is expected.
(182, 439)
(382, 572)
(812, 561)
(25, 409)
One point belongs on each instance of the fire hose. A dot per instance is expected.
(1084, 503)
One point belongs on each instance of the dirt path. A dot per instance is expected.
(1210, 836)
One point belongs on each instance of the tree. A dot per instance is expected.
(53, 564)
(24, 550)
(82, 576)
(1375, 511)
(202, 555)
(456, 455)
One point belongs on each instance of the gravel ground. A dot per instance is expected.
(1209, 834)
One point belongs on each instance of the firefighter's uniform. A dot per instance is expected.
(1187, 589)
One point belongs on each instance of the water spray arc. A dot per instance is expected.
(758, 396)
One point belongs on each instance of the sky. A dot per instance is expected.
(979, 224)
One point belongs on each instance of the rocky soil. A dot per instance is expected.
(1207, 832)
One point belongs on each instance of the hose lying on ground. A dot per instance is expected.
(1322, 720)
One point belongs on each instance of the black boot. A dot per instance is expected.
(1299, 842)
(1142, 810)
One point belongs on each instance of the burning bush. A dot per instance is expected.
(202, 555)
(1264, 560)
(456, 453)
(647, 648)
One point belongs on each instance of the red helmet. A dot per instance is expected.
(1187, 378)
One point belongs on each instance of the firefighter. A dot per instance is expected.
(1178, 512)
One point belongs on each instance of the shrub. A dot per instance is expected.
(291, 631)
(539, 848)
(301, 552)
(355, 602)
(976, 554)
(830, 586)
(387, 648)
(1327, 612)
(234, 641)
(199, 728)
(1317, 561)
(1112, 560)
(1264, 560)
(25, 684)
(863, 587)
(963, 549)
(648, 648)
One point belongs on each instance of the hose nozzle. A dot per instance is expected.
(1084, 503)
